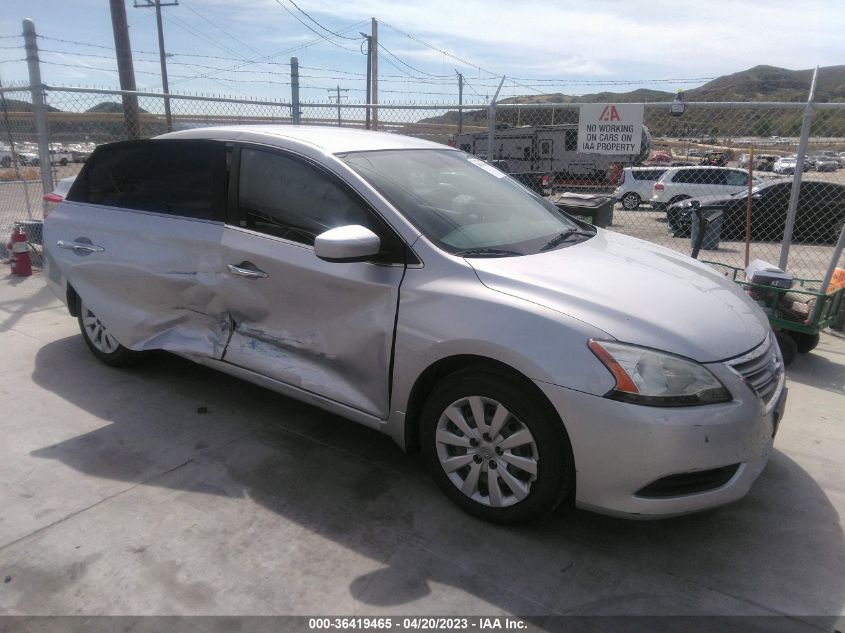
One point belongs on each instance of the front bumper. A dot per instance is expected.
(620, 448)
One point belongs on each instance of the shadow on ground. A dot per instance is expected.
(779, 550)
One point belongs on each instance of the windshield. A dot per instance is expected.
(463, 204)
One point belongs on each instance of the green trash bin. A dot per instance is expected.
(597, 208)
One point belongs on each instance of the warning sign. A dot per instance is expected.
(610, 128)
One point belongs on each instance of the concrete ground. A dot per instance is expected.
(172, 489)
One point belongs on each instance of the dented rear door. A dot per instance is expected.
(151, 213)
(323, 327)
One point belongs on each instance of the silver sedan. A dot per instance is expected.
(410, 287)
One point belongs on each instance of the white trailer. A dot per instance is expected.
(547, 149)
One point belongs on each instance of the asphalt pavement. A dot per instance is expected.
(169, 489)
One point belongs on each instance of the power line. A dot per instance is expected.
(307, 15)
(310, 28)
(440, 50)
(416, 70)
(222, 30)
(199, 34)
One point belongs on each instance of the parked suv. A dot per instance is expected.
(679, 183)
(636, 185)
(419, 291)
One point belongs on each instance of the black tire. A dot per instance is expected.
(549, 447)
(788, 347)
(63, 162)
(805, 343)
(115, 356)
(630, 201)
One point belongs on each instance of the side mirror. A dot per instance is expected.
(353, 243)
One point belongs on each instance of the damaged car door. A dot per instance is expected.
(138, 240)
(323, 327)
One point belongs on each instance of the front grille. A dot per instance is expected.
(688, 483)
(762, 369)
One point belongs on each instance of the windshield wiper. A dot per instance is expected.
(559, 239)
(485, 251)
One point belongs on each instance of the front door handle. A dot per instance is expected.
(247, 269)
(80, 247)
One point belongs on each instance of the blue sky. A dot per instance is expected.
(545, 46)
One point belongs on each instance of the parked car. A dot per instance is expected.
(419, 291)
(819, 217)
(830, 154)
(58, 194)
(762, 162)
(825, 163)
(679, 183)
(57, 157)
(5, 158)
(636, 184)
(786, 165)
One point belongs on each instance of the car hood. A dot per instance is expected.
(636, 292)
(706, 201)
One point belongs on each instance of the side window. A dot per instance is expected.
(570, 141)
(288, 198)
(684, 176)
(736, 178)
(546, 148)
(176, 177)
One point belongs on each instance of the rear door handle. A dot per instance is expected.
(80, 247)
(247, 269)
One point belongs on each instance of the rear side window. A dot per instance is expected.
(649, 174)
(177, 177)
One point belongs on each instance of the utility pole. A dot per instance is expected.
(294, 90)
(162, 57)
(374, 71)
(125, 70)
(369, 73)
(460, 102)
(39, 107)
(339, 90)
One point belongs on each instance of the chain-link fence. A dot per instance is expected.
(700, 160)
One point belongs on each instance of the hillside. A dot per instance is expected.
(761, 83)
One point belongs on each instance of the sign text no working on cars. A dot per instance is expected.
(610, 128)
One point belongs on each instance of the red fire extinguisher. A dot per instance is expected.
(21, 265)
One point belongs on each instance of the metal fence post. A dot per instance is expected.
(806, 122)
(294, 90)
(491, 122)
(39, 108)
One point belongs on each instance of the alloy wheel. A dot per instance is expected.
(486, 452)
(97, 333)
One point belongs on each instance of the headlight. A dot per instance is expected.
(645, 376)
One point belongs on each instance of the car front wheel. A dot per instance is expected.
(630, 201)
(494, 448)
(102, 343)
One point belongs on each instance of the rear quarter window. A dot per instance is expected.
(185, 178)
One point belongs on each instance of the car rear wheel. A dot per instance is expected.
(805, 343)
(788, 347)
(495, 451)
(630, 201)
(102, 343)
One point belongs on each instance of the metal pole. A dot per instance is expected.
(39, 108)
(374, 77)
(369, 73)
(163, 60)
(125, 70)
(460, 103)
(294, 90)
(491, 122)
(806, 121)
(338, 106)
(748, 205)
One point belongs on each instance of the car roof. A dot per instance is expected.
(331, 140)
(685, 167)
